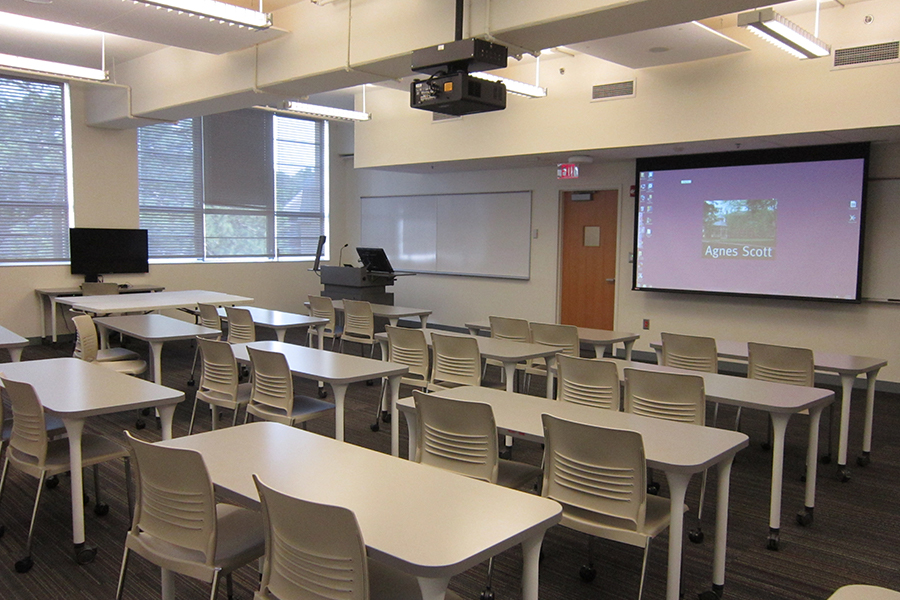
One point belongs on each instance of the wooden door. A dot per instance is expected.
(589, 259)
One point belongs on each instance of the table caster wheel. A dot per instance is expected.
(805, 517)
(84, 554)
(587, 573)
(101, 510)
(487, 594)
(863, 460)
(826, 459)
(139, 424)
(385, 416)
(714, 594)
(843, 473)
(323, 393)
(375, 426)
(653, 488)
(696, 535)
(190, 382)
(772, 543)
(24, 565)
(52, 482)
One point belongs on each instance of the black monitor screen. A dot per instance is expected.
(319, 249)
(94, 252)
(375, 260)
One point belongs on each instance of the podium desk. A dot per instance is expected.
(73, 390)
(50, 295)
(678, 449)
(427, 522)
(848, 367)
(600, 339)
(13, 342)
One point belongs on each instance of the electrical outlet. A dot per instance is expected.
(646, 323)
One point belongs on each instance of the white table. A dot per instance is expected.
(678, 449)
(50, 295)
(508, 352)
(427, 522)
(600, 339)
(392, 313)
(337, 370)
(864, 592)
(781, 401)
(123, 303)
(282, 321)
(848, 367)
(13, 342)
(73, 390)
(156, 330)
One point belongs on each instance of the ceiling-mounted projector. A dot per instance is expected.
(451, 89)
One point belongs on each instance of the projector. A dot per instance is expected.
(457, 94)
(470, 55)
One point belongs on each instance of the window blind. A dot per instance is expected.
(34, 202)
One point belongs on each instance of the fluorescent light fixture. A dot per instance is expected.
(52, 68)
(514, 87)
(215, 11)
(785, 34)
(326, 112)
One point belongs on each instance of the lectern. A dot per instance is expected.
(356, 283)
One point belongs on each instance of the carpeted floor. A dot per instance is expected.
(854, 538)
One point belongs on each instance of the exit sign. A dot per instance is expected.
(567, 171)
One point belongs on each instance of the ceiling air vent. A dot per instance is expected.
(608, 91)
(867, 55)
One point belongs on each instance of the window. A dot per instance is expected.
(248, 184)
(34, 174)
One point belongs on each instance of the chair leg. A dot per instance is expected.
(234, 417)
(696, 535)
(128, 492)
(121, 585)
(378, 406)
(193, 415)
(488, 593)
(644, 569)
(588, 572)
(2, 484)
(215, 585)
(194, 365)
(100, 508)
(24, 565)
(229, 587)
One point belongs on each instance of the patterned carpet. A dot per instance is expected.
(854, 538)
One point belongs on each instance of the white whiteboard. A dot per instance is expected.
(485, 235)
(881, 253)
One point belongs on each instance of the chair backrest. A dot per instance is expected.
(312, 550)
(690, 352)
(407, 346)
(507, 328)
(209, 316)
(781, 364)
(457, 435)
(323, 308)
(457, 360)
(219, 373)
(175, 499)
(273, 384)
(564, 337)
(588, 381)
(596, 469)
(29, 433)
(87, 343)
(359, 322)
(670, 396)
(94, 288)
(240, 325)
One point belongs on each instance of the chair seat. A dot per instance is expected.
(517, 475)
(592, 523)
(224, 400)
(115, 354)
(234, 547)
(95, 449)
(305, 409)
(129, 367)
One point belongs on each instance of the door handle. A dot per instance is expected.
(611, 280)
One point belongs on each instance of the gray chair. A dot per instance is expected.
(219, 381)
(272, 394)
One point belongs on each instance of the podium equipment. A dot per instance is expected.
(356, 283)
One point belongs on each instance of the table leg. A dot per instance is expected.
(629, 346)
(394, 383)
(168, 584)
(600, 350)
(658, 350)
(279, 334)
(53, 306)
(846, 391)
(718, 582)
(871, 377)
(433, 588)
(779, 427)
(156, 361)
(531, 558)
(166, 417)
(678, 483)
(74, 430)
(320, 336)
(423, 319)
(551, 367)
(805, 517)
(509, 369)
(340, 391)
(15, 354)
(412, 424)
(103, 335)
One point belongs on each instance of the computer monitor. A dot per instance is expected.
(375, 260)
(319, 253)
(95, 251)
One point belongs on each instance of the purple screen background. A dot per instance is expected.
(817, 247)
